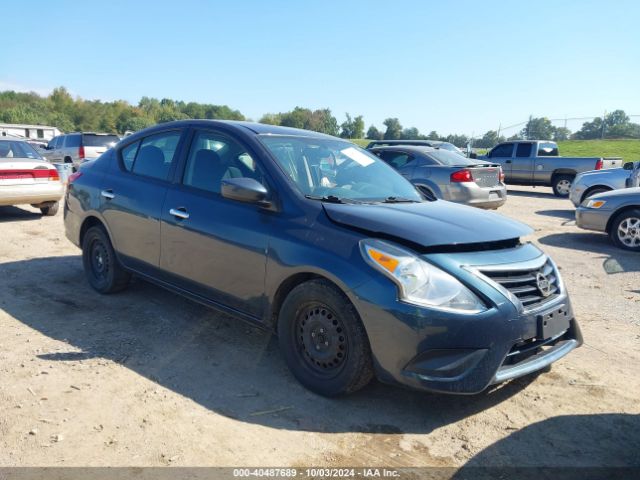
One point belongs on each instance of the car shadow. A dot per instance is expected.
(570, 446)
(531, 193)
(15, 214)
(217, 361)
(566, 214)
(615, 260)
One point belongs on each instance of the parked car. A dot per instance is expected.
(445, 175)
(616, 213)
(418, 143)
(594, 182)
(355, 272)
(537, 162)
(79, 147)
(27, 178)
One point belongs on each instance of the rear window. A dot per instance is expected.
(547, 149)
(447, 157)
(10, 149)
(90, 140)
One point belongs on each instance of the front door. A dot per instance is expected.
(213, 246)
(503, 155)
(522, 165)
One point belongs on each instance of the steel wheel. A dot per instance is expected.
(321, 339)
(629, 232)
(100, 263)
(563, 187)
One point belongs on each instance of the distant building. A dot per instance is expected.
(36, 132)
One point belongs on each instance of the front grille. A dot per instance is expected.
(525, 284)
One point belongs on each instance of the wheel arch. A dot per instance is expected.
(287, 285)
(592, 188)
(615, 215)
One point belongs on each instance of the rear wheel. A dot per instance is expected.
(50, 210)
(562, 185)
(102, 268)
(625, 230)
(323, 340)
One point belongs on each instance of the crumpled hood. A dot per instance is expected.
(428, 224)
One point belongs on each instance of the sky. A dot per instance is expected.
(452, 66)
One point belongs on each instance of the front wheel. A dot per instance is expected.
(625, 230)
(562, 185)
(101, 266)
(323, 340)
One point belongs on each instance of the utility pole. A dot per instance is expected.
(604, 118)
(499, 128)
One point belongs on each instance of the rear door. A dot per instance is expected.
(70, 150)
(522, 164)
(53, 153)
(503, 154)
(213, 246)
(133, 195)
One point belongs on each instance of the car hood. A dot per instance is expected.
(428, 224)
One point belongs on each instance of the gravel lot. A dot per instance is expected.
(148, 378)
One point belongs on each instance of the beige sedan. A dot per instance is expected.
(26, 178)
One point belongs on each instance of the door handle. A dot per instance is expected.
(179, 212)
(108, 194)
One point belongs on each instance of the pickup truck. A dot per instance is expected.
(536, 162)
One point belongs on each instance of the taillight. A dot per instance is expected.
(462, 176)
(54, 176)
(46, 173)
(599, 164)
(74, 176)
(81, 151)
(501, 175)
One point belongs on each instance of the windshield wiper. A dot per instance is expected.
(326, 198)
(399, 200)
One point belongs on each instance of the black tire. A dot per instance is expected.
(50, 210)
(628, 221)
(593, 192)
(323, 340)
(426, 191)
(560, 186)
(101, 266)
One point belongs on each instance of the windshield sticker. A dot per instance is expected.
(357, 156)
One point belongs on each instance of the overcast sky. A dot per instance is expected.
(451, 66)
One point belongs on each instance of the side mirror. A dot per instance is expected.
(629, 166)
(247, 190)
(473, 155)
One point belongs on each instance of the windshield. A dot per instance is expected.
(13, 149)
(322, 168)
(89, 140)
(447, 157)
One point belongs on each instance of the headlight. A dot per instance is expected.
(419, 282)
(595, 203)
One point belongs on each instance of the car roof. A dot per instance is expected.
(408, 148)
(254, 127)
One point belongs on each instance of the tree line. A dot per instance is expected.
(61, 110)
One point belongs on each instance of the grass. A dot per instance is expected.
(627, 149)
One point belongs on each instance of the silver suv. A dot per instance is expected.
(79, 147)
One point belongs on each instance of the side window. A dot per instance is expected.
(504, 150)
(397, 160)
(523, 150)
(129, 154)
(547, 149)
(52, 143)
(155, 155)
(71, 141)
(213, 158)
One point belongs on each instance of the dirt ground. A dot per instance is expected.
(148, 378)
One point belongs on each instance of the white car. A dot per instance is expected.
(26, 178)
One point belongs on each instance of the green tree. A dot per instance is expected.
(394, 129)
(352, 128)
(538, 129)
(374, 134)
